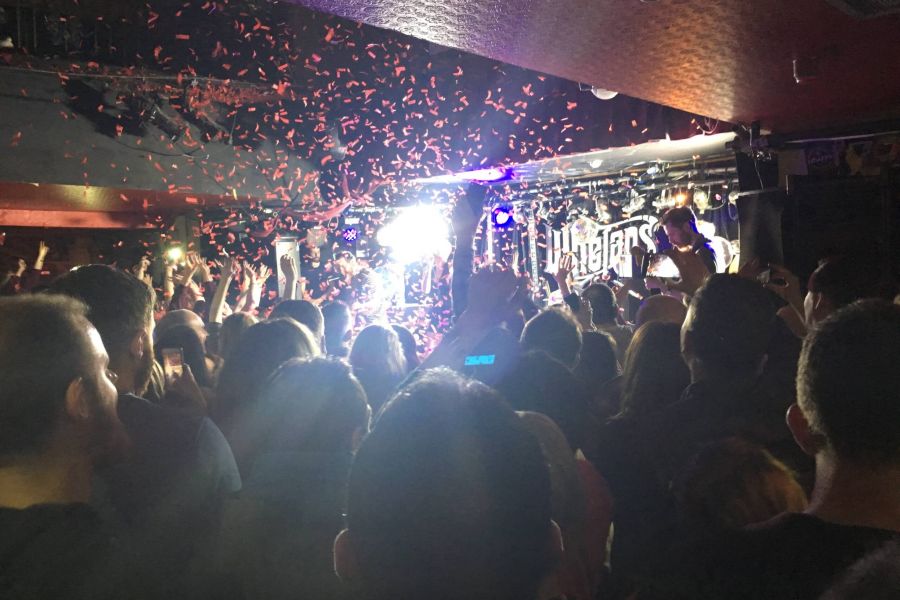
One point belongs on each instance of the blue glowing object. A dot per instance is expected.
(351, 234)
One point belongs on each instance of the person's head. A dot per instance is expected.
(57, 393)
(836, 283)
(728, 327)
(377, 360)
(604, 308)
(540, 383)
(448, 498)
(179, 318)
(233, 327)
(848, 404)
(408, 343)
(309, 405)
(189, 341)
(259, 352)
(304, 312)
(680, 224)
(597, 363)
(661, 308)
(120, 306)
(338, 322)
(655, 373)
(556, 332)
(733, 483)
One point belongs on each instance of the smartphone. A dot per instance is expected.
(480, 360)
(173, 363)
(765, 278)
(660, 265)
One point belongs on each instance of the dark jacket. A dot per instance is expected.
(168, 494)
(64, 551)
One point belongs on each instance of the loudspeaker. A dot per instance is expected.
(760, 216)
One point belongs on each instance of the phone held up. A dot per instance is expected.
(659, 265)
(173, 363)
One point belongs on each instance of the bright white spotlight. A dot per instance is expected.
(417, 233)
(175, 253)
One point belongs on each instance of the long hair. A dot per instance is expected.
(378, 362)
(655, 373)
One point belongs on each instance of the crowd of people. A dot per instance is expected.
(741, 440)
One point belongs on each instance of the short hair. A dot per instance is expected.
(259, 352)
(539, 383)
(43, 348)
(843, 281)
(310, 405)
(449, 496)
(679, 216)
(119, 304)
(733, 483)
(556, 332)
(848, 381)
(731, 322)
(603, 302)
(304, 312)
(180, 317)
(338, 319)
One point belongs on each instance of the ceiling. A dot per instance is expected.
(727, 59)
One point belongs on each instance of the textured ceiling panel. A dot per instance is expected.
(729, 59)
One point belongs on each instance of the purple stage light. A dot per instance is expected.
(502, 216)
(489, 175)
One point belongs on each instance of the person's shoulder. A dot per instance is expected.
(151, 424)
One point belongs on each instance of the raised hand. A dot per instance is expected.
(463, 219)
(789, 291)
(563, 272)
(288, 267)
(227, 266)
(585, 315)
(43, 250)
(262, 274)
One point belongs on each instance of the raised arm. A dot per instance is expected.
(226, 276)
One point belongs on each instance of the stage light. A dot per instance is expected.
(350, 234)
(417, 233)
(175, 253)
(486, 175)
(680, 199)
(701, 200)
(502, 216)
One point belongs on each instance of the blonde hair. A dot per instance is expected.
(734, 483)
